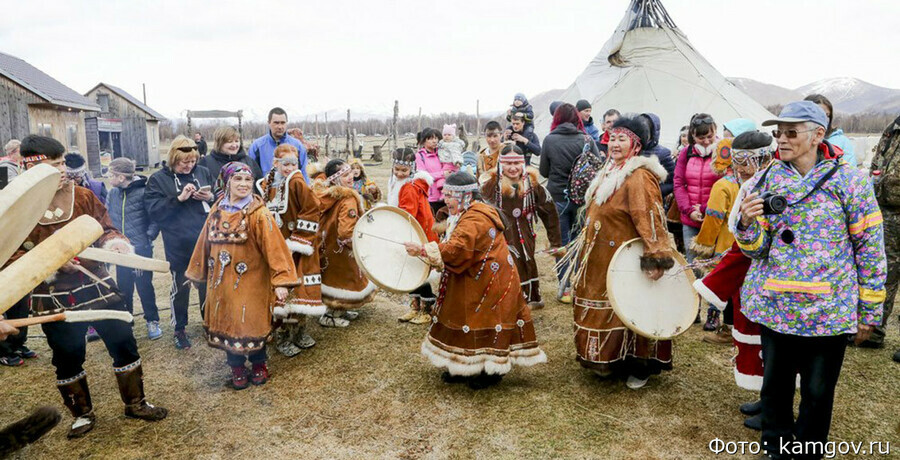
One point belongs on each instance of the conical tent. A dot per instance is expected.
(648, 65)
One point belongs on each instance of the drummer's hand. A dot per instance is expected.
(281, 293)
(751, 208)
(119, 246)
(654, 273)
(69, 267)
(6, 330)
(413, 249)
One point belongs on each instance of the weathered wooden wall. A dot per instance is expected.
(59, 121)
(14, 101)
(93, 143)
(137, 141)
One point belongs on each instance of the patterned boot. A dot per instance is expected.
(131, 387)
(77, 398)
(712, 319)
(424, 316)
(414, 307)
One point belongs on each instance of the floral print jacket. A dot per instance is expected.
(831, 275)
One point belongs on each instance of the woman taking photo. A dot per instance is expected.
(178, 199)
(624, 201)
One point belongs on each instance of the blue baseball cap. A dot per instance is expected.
(799, 112)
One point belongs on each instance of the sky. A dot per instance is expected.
(442, 56)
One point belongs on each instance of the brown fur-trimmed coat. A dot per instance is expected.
(344, 286)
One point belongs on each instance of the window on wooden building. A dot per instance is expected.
(45, 129)
(103, 102)
(72, 136)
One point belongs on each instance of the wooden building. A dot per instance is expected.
(32, 102)
(125, 126)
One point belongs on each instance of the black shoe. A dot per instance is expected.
(447, 377)
(181, 341)
(26, 353)
(754, 423)
(752, 408)
(482, 381)
(897, 356)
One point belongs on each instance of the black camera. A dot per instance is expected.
(773, 203)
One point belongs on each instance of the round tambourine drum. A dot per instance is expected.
(379, 251)
(22, 204)
(658, 310)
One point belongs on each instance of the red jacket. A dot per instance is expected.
(414, 200)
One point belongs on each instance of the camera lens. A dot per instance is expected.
(778, 203)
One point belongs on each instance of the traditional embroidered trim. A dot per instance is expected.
(867, 222)
(635, 140)
(410, 164)
(128, 368)
(808, 287)
(462, 188)
(69, 380)
(307, 226)
(312, 280)
(512, 158)
(334, 177)
(714, 213)
(872, 295)
(752, 246)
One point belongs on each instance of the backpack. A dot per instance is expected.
(885, 169)
(585, 168)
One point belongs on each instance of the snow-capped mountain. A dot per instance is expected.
(848, 94)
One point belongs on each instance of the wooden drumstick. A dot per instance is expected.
(72, 317)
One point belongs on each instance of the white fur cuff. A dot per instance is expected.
(299, 248)
(110, 242)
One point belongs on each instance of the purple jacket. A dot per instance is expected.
(694, 179)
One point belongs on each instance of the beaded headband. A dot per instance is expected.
(410, 164)
(467, 188)
(334, 177)
(635, 140)
(512, 158)
(760, 152)
(34, 159)
(288, 160)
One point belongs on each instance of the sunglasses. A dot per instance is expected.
(702, 121)
(186, 149)
(789, 133)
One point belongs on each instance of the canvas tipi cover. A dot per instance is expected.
(648, 65)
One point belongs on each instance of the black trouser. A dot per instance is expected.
(818, 360)
(128, 278)
(424, 292)
(19, 310)
(257, 357)
(68, 344)
(180, 297)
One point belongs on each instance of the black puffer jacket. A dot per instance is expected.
(180, 222)
(663, 154)
(129, 214)
(215, 160)
(560, 150)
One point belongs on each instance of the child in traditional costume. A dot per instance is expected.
(363, 185)
(623, 202)
(481, 325)
(296, 211)
(408, 190)
(241, 255)
(71, 289)
(751, 151)
(344, 286)
(515, 189)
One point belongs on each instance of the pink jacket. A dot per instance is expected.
(431, 164)
(694, 179)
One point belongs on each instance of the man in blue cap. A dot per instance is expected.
(813, 228)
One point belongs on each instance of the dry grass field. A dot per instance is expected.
(366, 392)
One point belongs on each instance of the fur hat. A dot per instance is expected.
(636, 126)
(74, 163)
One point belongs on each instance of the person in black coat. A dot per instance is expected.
(127, 210)
(651, 120)
(178, 199)
(227, 148)
(201, 144)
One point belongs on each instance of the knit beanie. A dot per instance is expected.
(554, 105)
(582, 104)
(449, 129)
